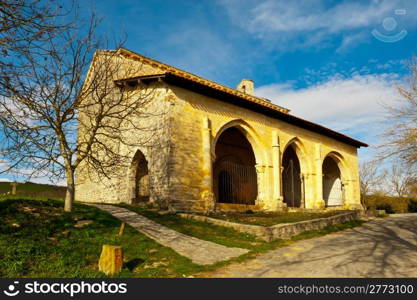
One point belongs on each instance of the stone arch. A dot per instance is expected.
(139, 189)
(295, 166)
(335, 177)
(250, 135)
(301, 152)
(236, 156)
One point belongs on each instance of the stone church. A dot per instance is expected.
(225, 149)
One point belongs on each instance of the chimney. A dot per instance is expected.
(246, 86)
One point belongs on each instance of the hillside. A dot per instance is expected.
(34, 189)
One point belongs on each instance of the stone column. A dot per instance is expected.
(207, 195)
(318, 165)
(260, 180)
(276, 165)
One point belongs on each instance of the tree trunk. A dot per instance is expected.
(70, 195)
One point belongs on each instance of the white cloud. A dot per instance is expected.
(4, 165)
(350, 105)
(351, 40)
(312, 15)
(5, 180)
(313, 22)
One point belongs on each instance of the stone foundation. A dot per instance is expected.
(279, 231)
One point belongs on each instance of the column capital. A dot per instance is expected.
(260, 168)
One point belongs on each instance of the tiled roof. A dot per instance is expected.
(190, 81)
(186, 75)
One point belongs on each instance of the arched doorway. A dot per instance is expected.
(234, 172)
(139, 178)
(332, 183)
(291, 178)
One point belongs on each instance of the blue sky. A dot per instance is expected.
(318, 58)
(332, 62)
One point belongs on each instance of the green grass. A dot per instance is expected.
(273, 218)
(34, 189)
(33, 241)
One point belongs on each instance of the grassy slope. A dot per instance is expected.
(33, 243)
(34, 189)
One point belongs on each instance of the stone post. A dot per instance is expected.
(207, 194)
(276, 165)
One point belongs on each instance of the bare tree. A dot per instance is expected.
(371, 178)
(400, 179)
(400, 137)
(56, 92)
(412, 187)
(26, 24)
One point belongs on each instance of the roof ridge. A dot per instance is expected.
(171, 69)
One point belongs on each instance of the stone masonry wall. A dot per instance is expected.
(181, 151)
(190, 181)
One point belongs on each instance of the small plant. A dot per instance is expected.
(412, 206)
(382, 215)
(249, 212)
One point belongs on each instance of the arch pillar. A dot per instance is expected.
(278, 199)
(207, 195)
(318, 180)
(261, 174)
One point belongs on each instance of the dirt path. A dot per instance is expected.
(380, 248)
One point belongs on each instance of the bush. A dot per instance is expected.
(412, 206)
(394, 204)
(387, 207)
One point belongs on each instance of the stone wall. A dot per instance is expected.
(181, 152)
(197, 116)
(150, 135)
(279, 231)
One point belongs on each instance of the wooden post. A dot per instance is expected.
(111, 260)
(122, 228)
(14, 185)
